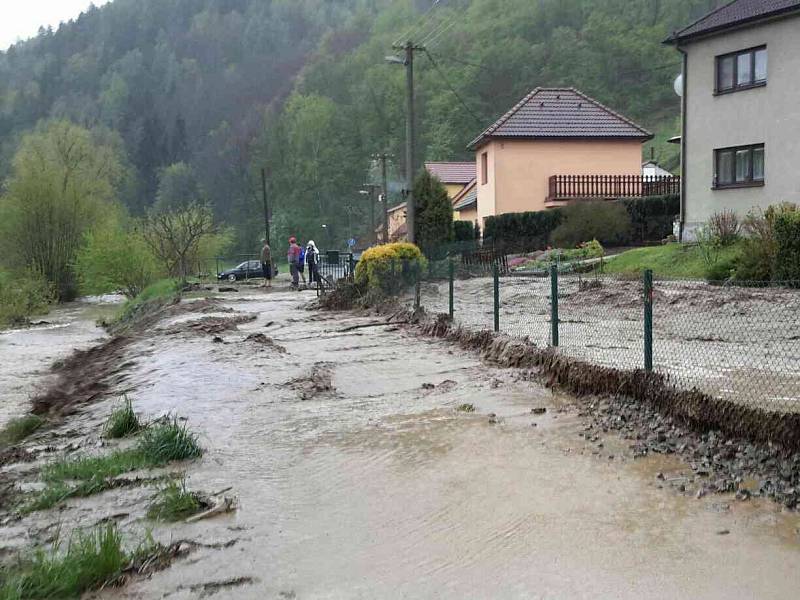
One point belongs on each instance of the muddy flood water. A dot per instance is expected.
(356, 476)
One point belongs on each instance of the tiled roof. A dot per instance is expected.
(467, 201)
(452, 172)
(396, 208)
(561, 113)
(738, 12)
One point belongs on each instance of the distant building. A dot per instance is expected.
(741, 109)
(652, 169)
(453, 175)
(554, 146)
(465, 203)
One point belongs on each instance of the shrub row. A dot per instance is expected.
(623, 222)
(787, 238)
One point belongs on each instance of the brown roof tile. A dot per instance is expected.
(561, 113)
(734, 14)
(452, 172)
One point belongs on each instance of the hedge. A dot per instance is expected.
(463, 231)
(651, 220)
(787, 240)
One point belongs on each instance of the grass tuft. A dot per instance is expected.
(88, 475)
(122, 422)
(168, 442)
(18, 429)
(175, 503)
(90, 560)
(467, 408)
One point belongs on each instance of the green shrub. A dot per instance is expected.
(787, 241)
(521, 232)
(434, 211)
(606, 222)
(174, 503)
(23, 294)
(155, 296)
(725, 227)
(720, 271)
(463, 231)
(652, 217)
(390, 268)
(115, 259)
(756, 261)
(122, 422)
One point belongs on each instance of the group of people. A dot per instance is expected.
(298, 257)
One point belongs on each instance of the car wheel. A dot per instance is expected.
(231, 277)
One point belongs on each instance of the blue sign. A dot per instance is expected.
(351, 242)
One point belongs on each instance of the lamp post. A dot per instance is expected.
(370, 191)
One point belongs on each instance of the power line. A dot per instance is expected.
(452, 89)
(421, 22)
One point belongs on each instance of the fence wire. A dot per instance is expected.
(734, 343)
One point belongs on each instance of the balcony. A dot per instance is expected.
(569, 188)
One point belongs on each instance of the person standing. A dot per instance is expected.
(293, 256)
(266, 263)
(312, 260)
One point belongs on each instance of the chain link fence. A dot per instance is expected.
(729, 342)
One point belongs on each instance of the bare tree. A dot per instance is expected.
(175, 236)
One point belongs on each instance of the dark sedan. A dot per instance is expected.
(249, 269)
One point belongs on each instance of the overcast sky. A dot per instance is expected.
(21, 19)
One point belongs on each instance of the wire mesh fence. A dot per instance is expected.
(734, 343)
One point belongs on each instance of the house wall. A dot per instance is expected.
(469, 214)
(769, 115)
(520, 170)
(397, 219)
(453, 189)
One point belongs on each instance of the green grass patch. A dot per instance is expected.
(174, 503)
(466, 408)
(17, 430)
(88, 475)
(122, 422)
(89, 560)
(22, 294)
(670, 260)
(153, 297)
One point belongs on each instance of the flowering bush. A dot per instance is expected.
(390, 268)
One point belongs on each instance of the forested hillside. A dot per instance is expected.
(302, 87)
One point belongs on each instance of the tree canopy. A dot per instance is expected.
(301, 87)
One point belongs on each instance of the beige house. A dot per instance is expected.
(741, 109)
(556, 145)
(465, 203)
(397, 223)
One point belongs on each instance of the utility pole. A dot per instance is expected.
(266, 206)
(409, 48)
(385, 191)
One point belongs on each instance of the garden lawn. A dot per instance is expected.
(670, 260)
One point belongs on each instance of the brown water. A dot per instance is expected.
(27, 354)
(382, 489)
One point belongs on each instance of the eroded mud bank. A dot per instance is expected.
(357, 476)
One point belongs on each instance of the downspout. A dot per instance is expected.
(684, 82)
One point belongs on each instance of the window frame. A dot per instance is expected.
(753, 83)
(484, 168)
(750, 181)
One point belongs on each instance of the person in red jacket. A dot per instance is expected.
(293, 256)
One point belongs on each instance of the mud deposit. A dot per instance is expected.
(357, 476)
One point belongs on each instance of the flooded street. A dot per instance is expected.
(358, 477)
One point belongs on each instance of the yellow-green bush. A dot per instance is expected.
(390, 268)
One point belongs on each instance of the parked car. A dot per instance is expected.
(249, 269)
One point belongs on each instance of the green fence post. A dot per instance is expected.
(452, 269)
(554, 306)
(648, 320)
(496, 274)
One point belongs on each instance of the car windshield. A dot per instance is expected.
(242, 266)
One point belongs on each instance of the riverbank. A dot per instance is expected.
(367, 461)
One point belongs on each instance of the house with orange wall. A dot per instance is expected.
(453, 175)
(553, 136)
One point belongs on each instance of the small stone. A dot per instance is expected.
(539, 410)
(723, 532)
(428, 386)
(217, 340)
